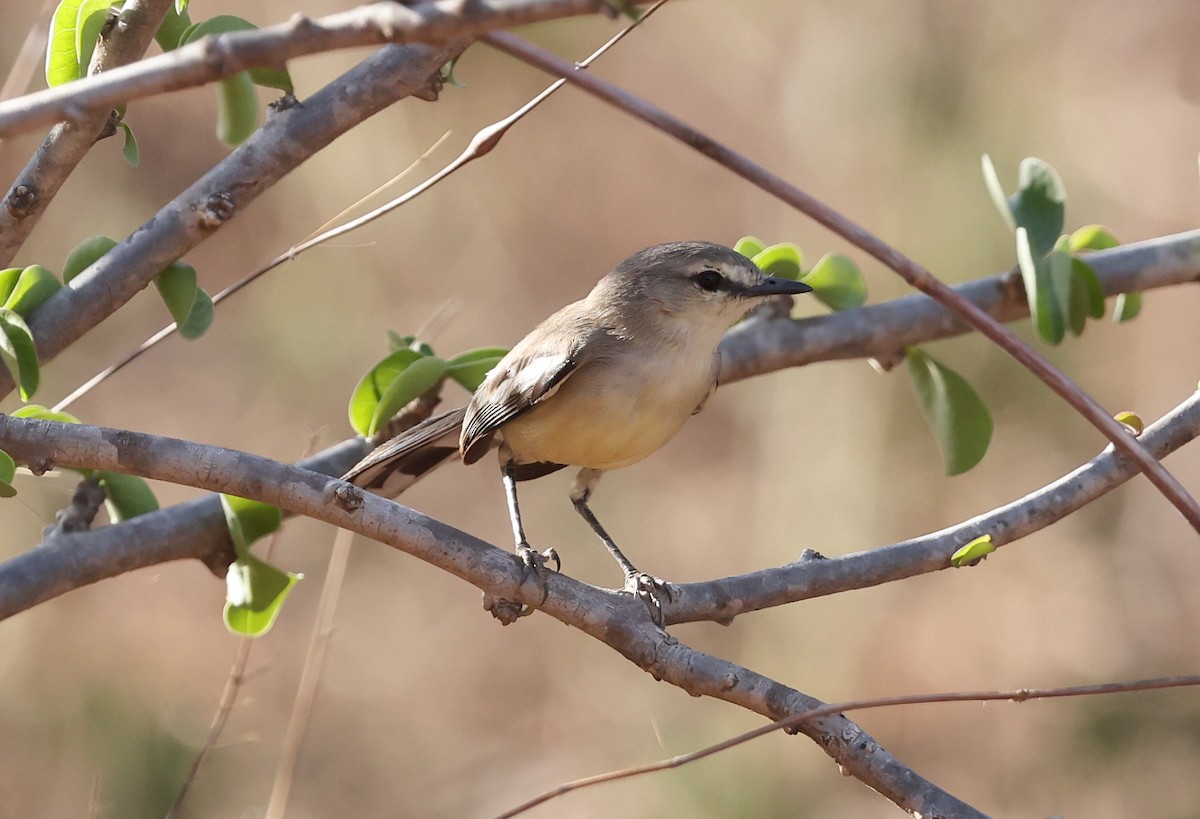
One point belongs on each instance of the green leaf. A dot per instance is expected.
(126, 496)
(749, 246)
(171, 30)
(8, 470)
(447, 72)
(86, 254)
(18, 352)
(370, 387)
(277, 78)
(41, 413)
(837, 282)
(1126, 307)
(1039, 204)
(975, 551)
(89, 21)
(255, 592)
(237, 102)
(471, 367)
(415, 379)
(129, 149)
(248, 520)
(1037, 275)
(34, 286)
(177, 286)
(1084, 277)
(1132, 421)
(1092, 237)
(200, 317)
(784, 261)
(237, 108)
(62, 60)
(399, 342)
(8, 281)
(961, 423)
(996, 191)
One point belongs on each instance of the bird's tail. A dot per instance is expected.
(398, 464)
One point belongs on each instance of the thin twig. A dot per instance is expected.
(233, 685)
(213, 58)
(314, 661)
(908, 269)
(1015, 695)
(481, 144)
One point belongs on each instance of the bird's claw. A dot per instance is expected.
(534, 563)
(650, 590)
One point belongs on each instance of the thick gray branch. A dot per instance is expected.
(618, 620)
(434, 23)
(881, 330)
(816, 576)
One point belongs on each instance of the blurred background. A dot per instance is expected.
(426, 706)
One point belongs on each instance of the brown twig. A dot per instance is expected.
(481, 144)
(908, 269)
(1015, 695)
(314, 661)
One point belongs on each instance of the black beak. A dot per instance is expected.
(771, 286)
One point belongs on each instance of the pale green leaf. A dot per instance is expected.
(471, 367)
(837, 282)
(411, 382)
(975, 551)
(957, 416)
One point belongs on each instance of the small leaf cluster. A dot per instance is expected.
(1061, 287)
(254, 589)
(125, 496)
(23, 290)
(835, 279)
(189, 305)
(956, 415)
(408, 372)
(77, 25)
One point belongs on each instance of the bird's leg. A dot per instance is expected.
(534, 562)
(639, 584)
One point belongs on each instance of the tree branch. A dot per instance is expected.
(211, 59)
(288, 138)
(616, 619)
(909, 270)
(69, 142)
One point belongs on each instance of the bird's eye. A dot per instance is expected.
(709, 280)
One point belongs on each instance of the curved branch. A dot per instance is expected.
(69, 142)
(816, 576)
(916, 275)
(615, 619)
(213, 58)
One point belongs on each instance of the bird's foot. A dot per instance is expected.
(533, 563)
(650, 590)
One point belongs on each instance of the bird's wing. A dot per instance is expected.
(394, 466)
(528, 375)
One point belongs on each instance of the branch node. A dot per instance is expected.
(21, 200)
(216, 210)
(348, 497)
(506, 611)
(432, 90)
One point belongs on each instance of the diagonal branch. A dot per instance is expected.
(69, 142)
(909, 270)
(817, 576)
(287, 139)
(615, 619)
(213, 58)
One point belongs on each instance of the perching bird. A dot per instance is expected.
(600, 385)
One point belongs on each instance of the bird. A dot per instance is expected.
(599, 385)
